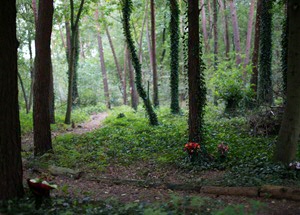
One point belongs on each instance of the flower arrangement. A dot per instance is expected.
(223, 150)
(192, 148)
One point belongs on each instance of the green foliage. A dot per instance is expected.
(226, 83)
(126, 11)
(177, 206)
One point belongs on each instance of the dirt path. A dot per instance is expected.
(94, 123)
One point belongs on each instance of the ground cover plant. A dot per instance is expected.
(127, 150)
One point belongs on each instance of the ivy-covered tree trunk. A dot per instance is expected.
(284, 51)
(288, 137)
(41, 88)
(174, 52)
(265, 90)
(197, 90)
(126, 11)
(255, 54)
(10, 136)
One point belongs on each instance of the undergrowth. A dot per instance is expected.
(126, 138)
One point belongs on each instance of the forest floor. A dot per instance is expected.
(129, 184)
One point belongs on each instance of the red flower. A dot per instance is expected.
(192, 148)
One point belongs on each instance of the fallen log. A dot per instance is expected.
(232, 191)
(280, 192)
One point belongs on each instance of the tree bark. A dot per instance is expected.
(153, 53)
(41, 88)
(51, 97)
(249, 35)
(204, 27)
(174, 52)
(31, 62)
(222, 4)
(287, 143)
(24, 92)
(236, 34)
(254, 76)
(133, 92)
(215, 30)
(74, 25)
(145, 20)
(265, 89)
(195, 74)
(11, 173)
(116, 61)
(125, 75)
(102, 61)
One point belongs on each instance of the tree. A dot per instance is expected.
(10, 136)
(284, 50)
(286, 147)
(197, 90)
(249, 34)
(265, 91)
(222, 4)
(204, 28)
(71, 66)
(153, 53)
(236, 34)
(174, 52)
(41, 88)
(215, 30)
(102, 61)
(126, 12)
(254, 76)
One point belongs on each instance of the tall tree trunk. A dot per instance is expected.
(288, 138)
(215, 29)
(174, 52)
(236, 34)
(254, 76)
(249, 35)
(11, 172)
(35, 12)
(126, 12)
(145, 20)
(74, 27)
(125, 75)
(211, 19)
(51, 97)
(265, 90)
(153, 53)
(24, 92)
(284, 51)
(133, 92)
(31, 62)
(222, 4)
(195, 75)
(204, 27)
(116, 61)
(102, 62)
(41, 89)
